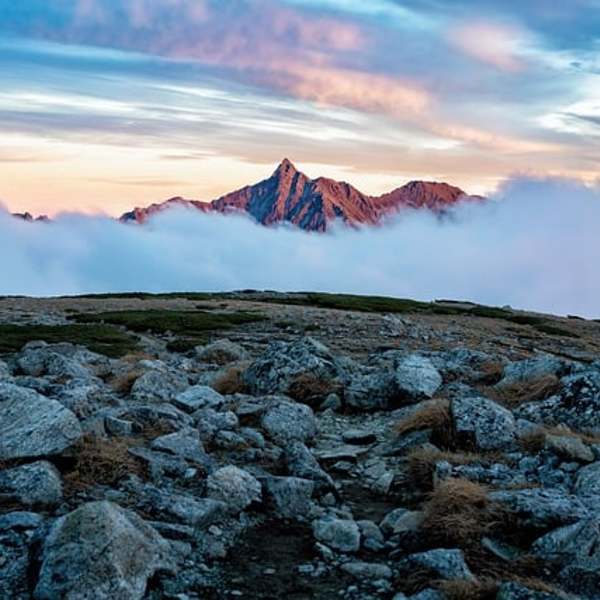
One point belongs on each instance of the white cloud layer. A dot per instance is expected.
(535, 246)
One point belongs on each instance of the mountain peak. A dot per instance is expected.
(286, 166)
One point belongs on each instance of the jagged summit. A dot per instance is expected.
(290, 196)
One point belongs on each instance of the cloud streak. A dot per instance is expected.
(534, 246)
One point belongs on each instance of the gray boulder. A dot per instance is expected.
(401, 521)
(575, 551)
(569, 447)
(369, 389)
(291, 496)
(416, 378)
(515, 591)
(286, 421)
(274, 371)
(541, 508)
(51, 362)
(210, 422)
(365, 571)
(588, 480)
(198, 396)
(100, 551)
(17, 530)
(235, 487)
(532, 368)
(577, 406)
(482, 423)
(34, 484)
(4, 371)
(158, 385)
(32, 425)
(301, 463)
(338, 534)
(184, 443)
(441, 562)
(163, 504)
(221, 352)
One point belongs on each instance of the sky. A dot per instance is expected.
(106, 104)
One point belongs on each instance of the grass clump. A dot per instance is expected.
(101, 461)
(310, 389)
(98, 337)
(522, 392)
(461, 589)
(231, 381)
(433, 415)
(459, 513)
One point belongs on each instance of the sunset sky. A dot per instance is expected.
(108, 104)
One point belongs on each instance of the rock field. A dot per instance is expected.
(316, 454)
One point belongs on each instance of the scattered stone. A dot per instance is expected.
(302, 463)
(338, 534)
(158, 385)
(359, 437)
(198, 396)
(34, 484)
(184, 443)
(541, 508)
(569, 447)
(532, 369)
(588, 480)
(443, 563)
(401, 520)
(575, 551)
(290, 495)
(482, 423)
(235, 487)
(32, 425)
(274, 371)
(416, 378)
(347, 452)
(516, 591)
(286, 421)
(100, 551)
(365, 570)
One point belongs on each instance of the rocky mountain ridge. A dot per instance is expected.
(289, 196)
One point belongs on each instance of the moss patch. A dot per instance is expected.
(100, 338)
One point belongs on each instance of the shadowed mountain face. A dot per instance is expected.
(289, 196)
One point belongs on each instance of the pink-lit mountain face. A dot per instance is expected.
(289, 196)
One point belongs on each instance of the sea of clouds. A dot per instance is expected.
(534, 245)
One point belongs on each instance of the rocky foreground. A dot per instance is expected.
(458, 460)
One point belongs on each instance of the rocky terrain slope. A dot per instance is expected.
(309, 447)
(289, 196)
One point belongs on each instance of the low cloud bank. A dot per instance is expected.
(535, 246)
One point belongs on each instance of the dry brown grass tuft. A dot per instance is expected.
(134, 357)
(231, 381)
(100, 461)
(459, 513)
(516, 394)
(460, 589)
(434, 415)
(421, 464)
(123, 383)
(491, 373)
(310, 389)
